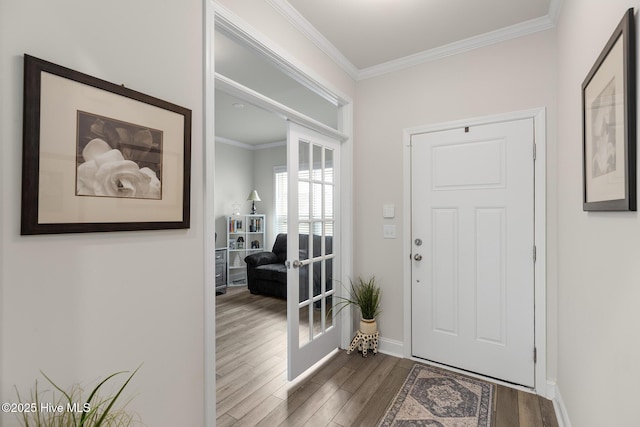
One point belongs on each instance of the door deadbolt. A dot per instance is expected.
(418, 242)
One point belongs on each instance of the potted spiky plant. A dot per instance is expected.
(72, 409)
(366, 295)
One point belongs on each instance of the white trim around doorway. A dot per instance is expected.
(540, 297)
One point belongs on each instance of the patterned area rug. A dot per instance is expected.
(432, 397)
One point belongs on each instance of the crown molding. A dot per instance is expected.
(270, 145)
(493, 37)
(554, 10)
(252, 147)
(497, 36)
(233, 142)
(309, 31)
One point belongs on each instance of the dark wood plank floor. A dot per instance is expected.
(347, 390)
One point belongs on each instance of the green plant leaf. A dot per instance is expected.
(113, 400)
(102, 411)
(64, 393)
(93, 409)
(364, 294)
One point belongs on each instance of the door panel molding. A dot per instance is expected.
(539, 122)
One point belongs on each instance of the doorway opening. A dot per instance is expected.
(252, 95)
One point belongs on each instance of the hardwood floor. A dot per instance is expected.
(347, 390)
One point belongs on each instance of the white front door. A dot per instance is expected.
(313, 246)
(473, 249)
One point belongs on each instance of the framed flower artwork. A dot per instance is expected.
(100, 157)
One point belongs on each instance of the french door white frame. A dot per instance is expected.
(216, 15)
(309, 169)
(540, 296)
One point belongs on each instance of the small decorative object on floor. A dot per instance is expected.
(366, 339)
(435, 397)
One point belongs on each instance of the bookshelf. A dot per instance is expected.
(245, 235)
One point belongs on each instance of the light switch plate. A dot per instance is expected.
(389, 231)
(388, 211)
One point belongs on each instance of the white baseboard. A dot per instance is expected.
(391, 347)
(553, 393)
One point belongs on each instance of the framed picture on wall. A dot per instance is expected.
(609, 124)
(99, 156)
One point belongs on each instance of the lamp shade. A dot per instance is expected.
(253, 196)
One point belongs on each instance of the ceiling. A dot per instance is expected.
(371, 32)
(367, 38)
(370, 37)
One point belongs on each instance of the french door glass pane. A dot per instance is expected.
(305, 249)
(317, 229)
(328, 312)
(317, 200)
(317, 163)
(303, 274)
(318, 324)
(328, 239)
(317, 278)
(303, 200)
(304, 161)
(328, 275)
(304, 322)
(328, 202)
(328, 165)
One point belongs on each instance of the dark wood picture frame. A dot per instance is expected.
(147, 142)
(609, 124)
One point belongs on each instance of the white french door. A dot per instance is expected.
(313, 245)
(473, 249)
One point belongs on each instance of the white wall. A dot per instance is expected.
(264, 162)
(238, 171)
(599, 286)
(233, 182)
(510, 76)
(80, 307)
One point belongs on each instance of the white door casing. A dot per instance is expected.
(313, 262)
(472, 195)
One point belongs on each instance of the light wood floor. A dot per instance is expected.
(348, 390)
